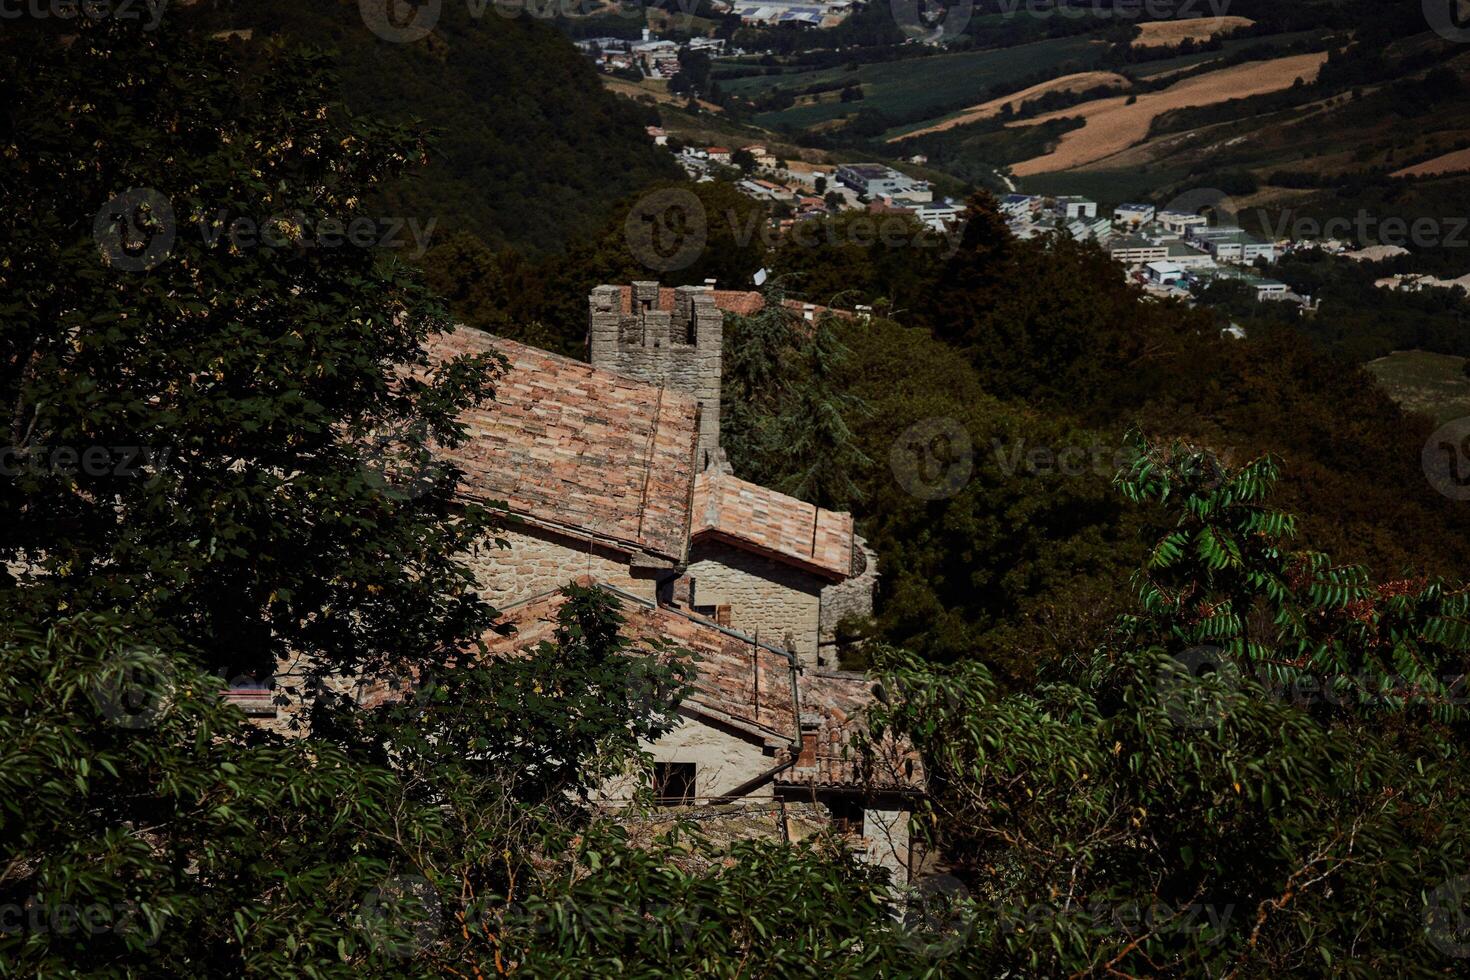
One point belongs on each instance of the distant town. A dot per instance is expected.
(1168, 253)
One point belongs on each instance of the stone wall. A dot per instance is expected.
(886, 833)
(722, 760)
(853, 597)
(539, 561)
(680, 349)
(781, 603)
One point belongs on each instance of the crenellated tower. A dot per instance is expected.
(670, 337)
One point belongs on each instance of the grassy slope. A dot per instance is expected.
(1434, 384)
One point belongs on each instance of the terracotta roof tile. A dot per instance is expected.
(748, 686)
(772, 524)
(567, 443)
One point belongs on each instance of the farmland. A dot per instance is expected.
(1166, 33)
(1185, 62)
(1113, 124)
(1457, 161)
(1067, 83)
(916, 89)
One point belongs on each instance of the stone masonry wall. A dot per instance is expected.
(681, 349)
(853, 597)
(540, 561)
(722, 761)
(781, 602)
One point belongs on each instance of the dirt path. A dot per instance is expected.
(1066, 83)
(1113, 125)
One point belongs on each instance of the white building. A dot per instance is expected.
(1133, 214)
(1071, 207)
(1232, 245)
(1136, 249)
(1181, 221)
(875, 180)
(1164, 273)
(1019, 205)
(938, 216)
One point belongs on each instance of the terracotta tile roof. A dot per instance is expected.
(836, 701)
(747, 686)
(772, 524)
(579, 447)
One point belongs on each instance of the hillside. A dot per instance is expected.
(531, 150)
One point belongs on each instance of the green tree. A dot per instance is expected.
(1172, 803)
(786, 423)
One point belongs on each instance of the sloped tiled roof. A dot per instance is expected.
(746, 685)
(772, 524)
(579, 447)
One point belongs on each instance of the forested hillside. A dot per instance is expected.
(528, 150)
(1187, 703)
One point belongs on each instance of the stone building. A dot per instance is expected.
(610, 473)
(760, 560)
(764, 731)
(596, 471)
(613, 469)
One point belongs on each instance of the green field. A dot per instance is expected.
(1434, 384)
(1108, 187)
(917, 88)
